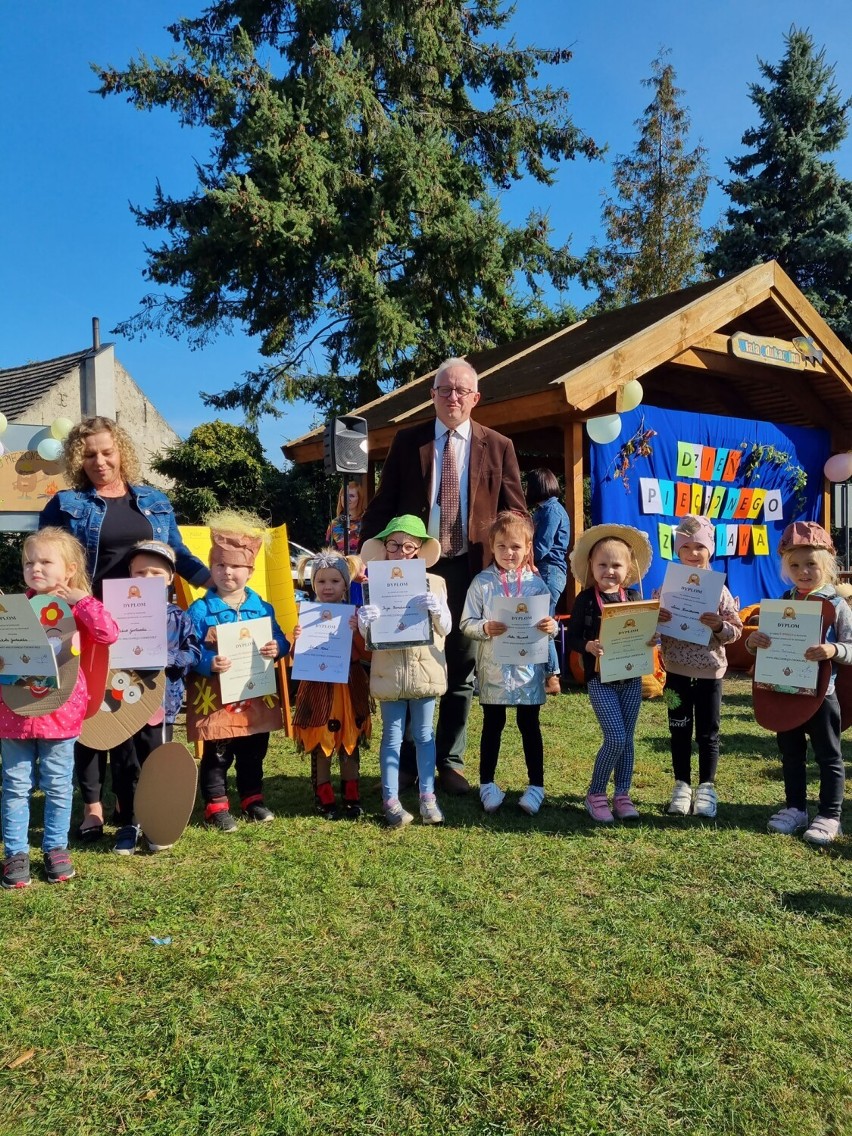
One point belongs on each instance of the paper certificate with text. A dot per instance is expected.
(324, 648)
(793, 626)
(523, 642)
(391, 587)
(138, 606)
(26, 648)
(626, 629)
(687, 593)
(250, 674)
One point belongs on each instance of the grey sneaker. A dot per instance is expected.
(16, 871)
(57, 866)
(681, 801)
(705, 801)
(788, 821)
(395, 815)
(429, 811)
(823, 830)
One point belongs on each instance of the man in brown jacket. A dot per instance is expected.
(479, 479)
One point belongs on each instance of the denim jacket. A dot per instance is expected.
(81, 512)
(552, 535)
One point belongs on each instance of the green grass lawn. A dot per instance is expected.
(496, 975)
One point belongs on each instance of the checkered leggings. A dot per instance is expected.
(616, 705)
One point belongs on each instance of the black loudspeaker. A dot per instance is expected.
(344, 445)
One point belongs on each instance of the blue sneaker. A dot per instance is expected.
(126, 840)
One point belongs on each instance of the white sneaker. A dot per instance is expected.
(395, 815)
(705, 801)
(531, 800)
(788, 821)
(823, 830)
(681, 802)
(492, 796)
(429, 811)
(159, 847)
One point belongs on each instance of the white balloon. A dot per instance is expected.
(838, 467)
(604, 429)
(631, 395)
(49, 449)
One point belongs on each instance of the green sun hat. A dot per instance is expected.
(430, 549)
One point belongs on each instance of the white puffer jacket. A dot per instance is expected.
(414, 672)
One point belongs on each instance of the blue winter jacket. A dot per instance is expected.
(81, 512)
(210, 611)
(184, 651)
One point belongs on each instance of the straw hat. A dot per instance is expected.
(635, 539)
(430, 549)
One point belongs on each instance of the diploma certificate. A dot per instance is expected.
(687, 593)
(26, 649)
(523, 642)
(793, 626)
(391, 586)
(626, 629)
(250, 674)
(138, 606)
(324, 648)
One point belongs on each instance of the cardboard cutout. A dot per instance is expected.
(30, 697)
(165, 794)
(131, 699)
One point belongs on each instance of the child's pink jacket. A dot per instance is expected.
(95, 623)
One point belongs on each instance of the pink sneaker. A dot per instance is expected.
(597, 806)
(623, 807)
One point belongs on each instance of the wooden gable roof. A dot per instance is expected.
(678, 345)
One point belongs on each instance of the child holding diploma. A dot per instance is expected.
(153, 559)
(329, 717)
(809, 562)
(54, 563)
(521, 685)
(694, 674)
(607, 559)
(408, 679)
(238, 732)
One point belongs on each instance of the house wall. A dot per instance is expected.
(77, 396)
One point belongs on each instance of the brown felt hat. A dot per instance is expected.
(805, 534)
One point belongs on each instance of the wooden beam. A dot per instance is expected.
(573, 446)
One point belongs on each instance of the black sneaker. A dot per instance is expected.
(258, 812)
(57, 866)
(126, 839)
(224, 821)
(352, 810)
(16, 871)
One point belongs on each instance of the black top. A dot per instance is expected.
(123, 525)
(585, 623)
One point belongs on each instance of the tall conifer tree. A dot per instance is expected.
(348, 212)
(789, 202)
(653, 223)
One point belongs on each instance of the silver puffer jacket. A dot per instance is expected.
(509, 684)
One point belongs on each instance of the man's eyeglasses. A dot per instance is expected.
(448, 392)
(407, 548)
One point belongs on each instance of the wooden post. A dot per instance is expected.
(572, 434)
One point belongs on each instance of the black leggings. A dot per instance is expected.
(493, 721)
(701, 705)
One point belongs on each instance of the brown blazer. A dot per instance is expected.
(494, 483)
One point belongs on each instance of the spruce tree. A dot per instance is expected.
(789, 202)
(653, 222)
(348, 212)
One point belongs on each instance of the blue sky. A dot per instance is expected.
(73, 162)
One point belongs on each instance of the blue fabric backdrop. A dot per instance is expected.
(619, 500)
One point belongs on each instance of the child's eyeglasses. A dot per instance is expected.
(408, 547)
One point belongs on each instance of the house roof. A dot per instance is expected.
(20, 387)
(677, 344)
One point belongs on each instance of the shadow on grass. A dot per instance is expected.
(820, 904)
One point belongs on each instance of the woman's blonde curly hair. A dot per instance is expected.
(75, 447)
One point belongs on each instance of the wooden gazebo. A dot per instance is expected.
(722, 347)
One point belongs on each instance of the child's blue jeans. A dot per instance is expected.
(393, 727)
(55, 758)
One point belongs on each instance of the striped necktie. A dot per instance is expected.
(449, 501)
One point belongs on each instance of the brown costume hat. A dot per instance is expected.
(240, 549)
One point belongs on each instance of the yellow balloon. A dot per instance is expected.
(630, 395)
(60, 428)
(3, 423)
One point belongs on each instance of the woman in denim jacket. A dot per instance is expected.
(108, 511)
